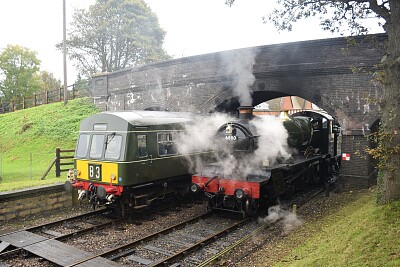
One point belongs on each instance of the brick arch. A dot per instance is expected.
(330, 73)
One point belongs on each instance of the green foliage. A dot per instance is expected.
(82, 86)
(19, 67)
(334, 15)
(113, 35)
(38, 132)
(360, 234)
(48, 82)
(382, 151)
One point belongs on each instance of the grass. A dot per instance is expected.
(30, 137)
(360, 234)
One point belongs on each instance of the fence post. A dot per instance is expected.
(23, 102)
(12, 105)
(34, 99)
(73, 91)
(47, 96)
(59, 94)
(58, 167)
(30, 163)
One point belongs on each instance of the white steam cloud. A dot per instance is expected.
(238, 64)
(288, 219)
(200, 136)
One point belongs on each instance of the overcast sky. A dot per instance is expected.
(193, 27)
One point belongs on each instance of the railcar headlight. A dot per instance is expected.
(113, 177)
(240, 194)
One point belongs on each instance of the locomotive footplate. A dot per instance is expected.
(53, 250)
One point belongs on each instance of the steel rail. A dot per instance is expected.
(234, 245)
(65, 236)
(148, 237)
(49, 224)
(252, 234)
(201, 243)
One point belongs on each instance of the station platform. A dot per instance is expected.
(54, 251)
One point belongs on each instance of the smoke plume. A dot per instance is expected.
(238, 66)
(287, 219)
(201, 136)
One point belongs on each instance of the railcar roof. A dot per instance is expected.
(142, 118)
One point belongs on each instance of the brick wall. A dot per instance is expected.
(358, 172)
(330, 73)
(21, 203)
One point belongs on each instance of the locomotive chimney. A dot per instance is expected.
(245, 112)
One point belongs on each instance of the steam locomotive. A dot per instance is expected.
(314, 140)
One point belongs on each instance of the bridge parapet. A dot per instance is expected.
(336, 74)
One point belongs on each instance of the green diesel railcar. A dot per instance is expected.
(130, 157)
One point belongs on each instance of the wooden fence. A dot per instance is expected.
(60, 160)
(43, 98)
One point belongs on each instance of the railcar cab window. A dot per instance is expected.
(113, 146)
(142, 145)
(83, 145)
(166, 145)
(96, 147)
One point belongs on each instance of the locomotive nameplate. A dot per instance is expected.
(94, 171)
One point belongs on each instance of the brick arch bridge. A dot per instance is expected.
(336, 74)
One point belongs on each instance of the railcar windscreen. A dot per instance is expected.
(83, 145)
(113, 149)
(96, 148)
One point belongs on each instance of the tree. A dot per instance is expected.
(82, 86)
(113, 35)
(335, 15)
(47, 81)
(18, 67)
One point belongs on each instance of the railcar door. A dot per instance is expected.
(143, 162)
(167, 163)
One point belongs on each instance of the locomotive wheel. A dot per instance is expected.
(180, 192)
(209, 205)
(250, 208)
(290, 188)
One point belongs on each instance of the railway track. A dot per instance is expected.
(191, 242)
(225, 258)
(56, 230)
(55, 242)
(169, 244)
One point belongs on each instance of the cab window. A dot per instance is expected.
(142, 145)
(166, 145)
(83, 145)
(113, 147)
(96, 147)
